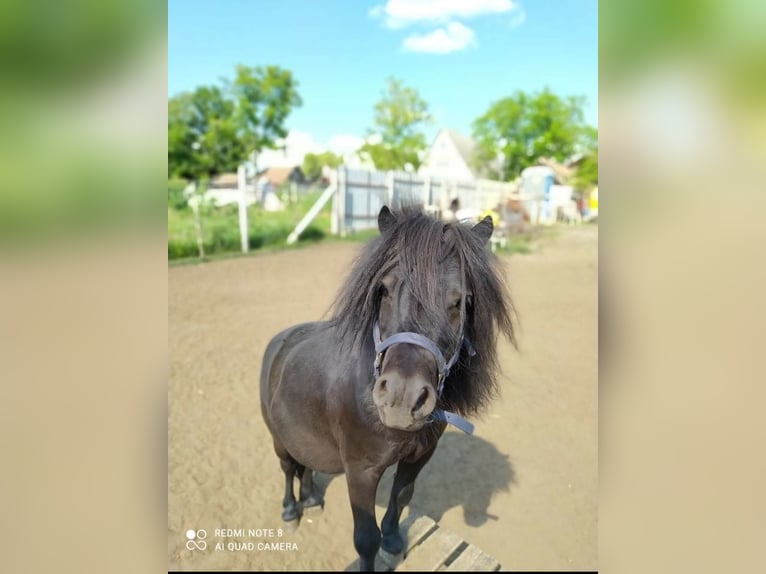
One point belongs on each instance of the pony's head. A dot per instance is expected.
(426, 293)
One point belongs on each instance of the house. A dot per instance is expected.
(278, 176)
(451, 157)
(223, 189)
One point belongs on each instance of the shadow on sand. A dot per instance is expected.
(465, 471)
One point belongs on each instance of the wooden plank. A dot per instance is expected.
(414, 529)
(465, 561)
(486, 563)
(431, 553)
(472, 559)
(427, 548)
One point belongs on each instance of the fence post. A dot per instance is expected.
(243, 231)
(194, 203)
(342, 200)
(390, 186)
(334, 219)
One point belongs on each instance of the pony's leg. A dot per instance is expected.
(362, 485)
(401, 494)
(290, 509)
(310, 497)
(289, 466)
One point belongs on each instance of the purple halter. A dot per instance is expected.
(442, 366)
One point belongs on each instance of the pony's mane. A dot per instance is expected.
(416, 243)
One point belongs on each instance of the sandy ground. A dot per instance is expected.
(524, 488)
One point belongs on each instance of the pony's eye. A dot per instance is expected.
(458, 303)
(383, 291)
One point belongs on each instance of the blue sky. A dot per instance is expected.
(461, 55)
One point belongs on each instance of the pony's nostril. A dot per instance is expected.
(382, 386)
(421, 400)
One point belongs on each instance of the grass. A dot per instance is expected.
(529, 241)
(268, 232)
(220, 228)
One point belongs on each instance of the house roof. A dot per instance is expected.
(465, 146)
(279, 175)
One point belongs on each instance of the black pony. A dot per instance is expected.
(372, 386)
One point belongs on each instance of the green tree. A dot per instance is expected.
(314, 162)
(400, 116)
(523, 127)
(202, 134)
(214, 129)
(587, 172)
(263, 97)
(181, 137)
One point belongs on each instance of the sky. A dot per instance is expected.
(461, 55)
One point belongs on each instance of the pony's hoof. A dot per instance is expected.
(313, 501)
(291, 526)
(392, 543)
(290, 514)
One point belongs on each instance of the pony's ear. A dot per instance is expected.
(484, 229)
(385, 219)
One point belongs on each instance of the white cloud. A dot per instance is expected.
(444, 20)
(400, 13)
(454, 37)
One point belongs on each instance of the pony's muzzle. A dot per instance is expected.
(403, 402)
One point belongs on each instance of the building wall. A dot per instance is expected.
(444, 160)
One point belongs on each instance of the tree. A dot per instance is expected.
(264, 97)
(523, 127)
(313, 164)
(587, 172)
(213, 129)
(400, 116)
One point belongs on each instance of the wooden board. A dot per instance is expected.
(472, 559)
(413, 530)
(430, 548)
(432, 553)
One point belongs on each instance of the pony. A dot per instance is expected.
(370, 387)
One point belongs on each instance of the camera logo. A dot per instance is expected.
(196, 540)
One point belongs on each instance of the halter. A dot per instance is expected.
(442, 366)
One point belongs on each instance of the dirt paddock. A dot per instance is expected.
(524, 488)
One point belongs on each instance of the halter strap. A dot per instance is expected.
(419, 340)
(443, 366)
(451, 418)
